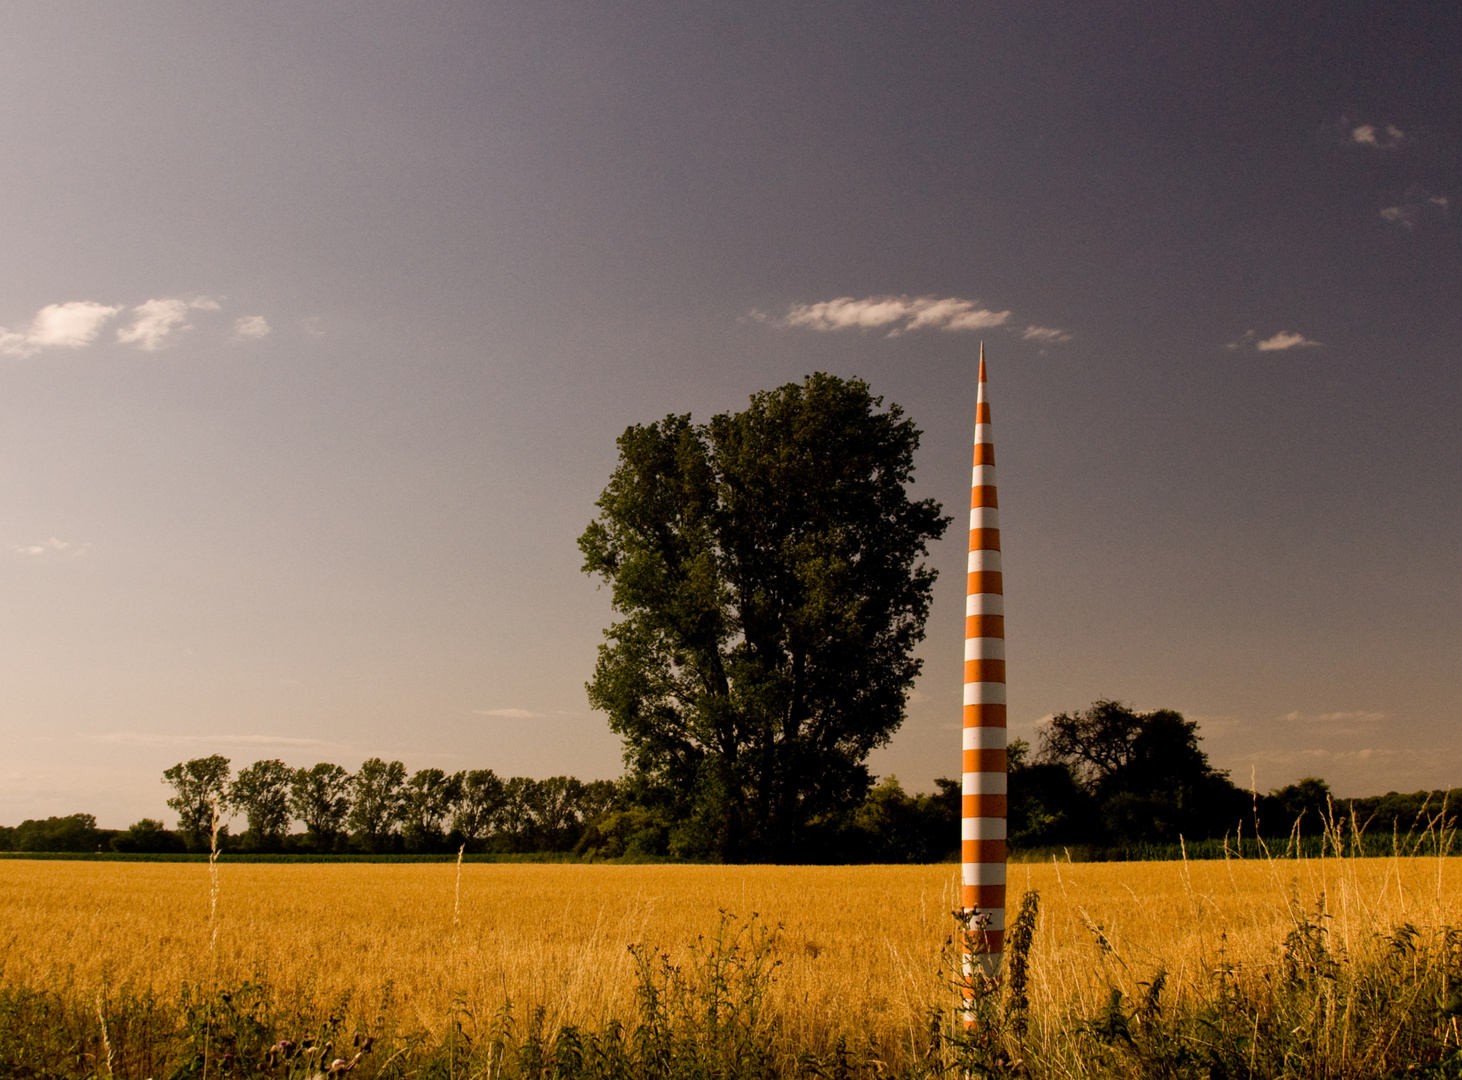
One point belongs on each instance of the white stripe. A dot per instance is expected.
(984, 559)
(997, 918)
(984, 693)
(982, 434)
(984, 517)
(982, 783)
(984, 648)
(982, 828)
(983, 873)
(982, 476)
(985, 603)
(984, 738)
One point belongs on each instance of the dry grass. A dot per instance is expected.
(859, 946)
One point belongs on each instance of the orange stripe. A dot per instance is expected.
(982, 897)
(982, 851)
(985, 761)
(982, 412)
(984, 626)
(984, 539)
(984, 671)
(990, 942)
(982, 806)
(984, 716)
(984, 453)
(989, 581)
(983, 495)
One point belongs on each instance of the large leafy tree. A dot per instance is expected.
(376, 805)
(200, 798)
(262, 792)
(320, 797)
(480, 805)
(767, 569)
(427, 801)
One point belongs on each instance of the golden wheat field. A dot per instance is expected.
(859, 947)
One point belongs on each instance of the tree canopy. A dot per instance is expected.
(767, 569)
(1112, 774)
(200, 797)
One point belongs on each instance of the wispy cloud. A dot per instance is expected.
(1416, 205)
(1285, 339)
(140, 738)
(155, 321)
(525, 714)
(251, 328)
(1382, 138)
(1045, 334)
(1357, 717)
(895, 314)
(70, 325)
(151, 325)
(53, 546)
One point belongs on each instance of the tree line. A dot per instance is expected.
(1104, 777)
(1109, 776)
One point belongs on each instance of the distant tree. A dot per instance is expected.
(893, 826)
(634, 832)
(377, 806)
(1307, 804)
(1047, 805)
(767, 568)
(1145, 771)
(147, 835)
(320, 797)
(200, 799)
(522, 806)
(262, 792)
(427, 801)
(556, 820)
(75, 832)
(596, 799)
(479, 807)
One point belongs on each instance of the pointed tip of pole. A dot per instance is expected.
(982, 361)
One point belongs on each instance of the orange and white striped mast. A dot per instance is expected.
(982, 825)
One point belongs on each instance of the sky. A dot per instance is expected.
(318, 324)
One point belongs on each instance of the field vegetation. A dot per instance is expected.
(1253, 967)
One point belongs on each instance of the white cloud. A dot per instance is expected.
(70, 325)
(1285, 339)
(251, 327)
(526, 714)
(1360, 716)
(897, 314)
(1045, 334)
(53, 546)
(1386, 138)
(157, 320)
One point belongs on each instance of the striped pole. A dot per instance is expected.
(982, 832)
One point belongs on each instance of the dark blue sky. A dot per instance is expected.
(319, 323)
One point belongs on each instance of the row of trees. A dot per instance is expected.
(379, 808)
(1104, 776)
